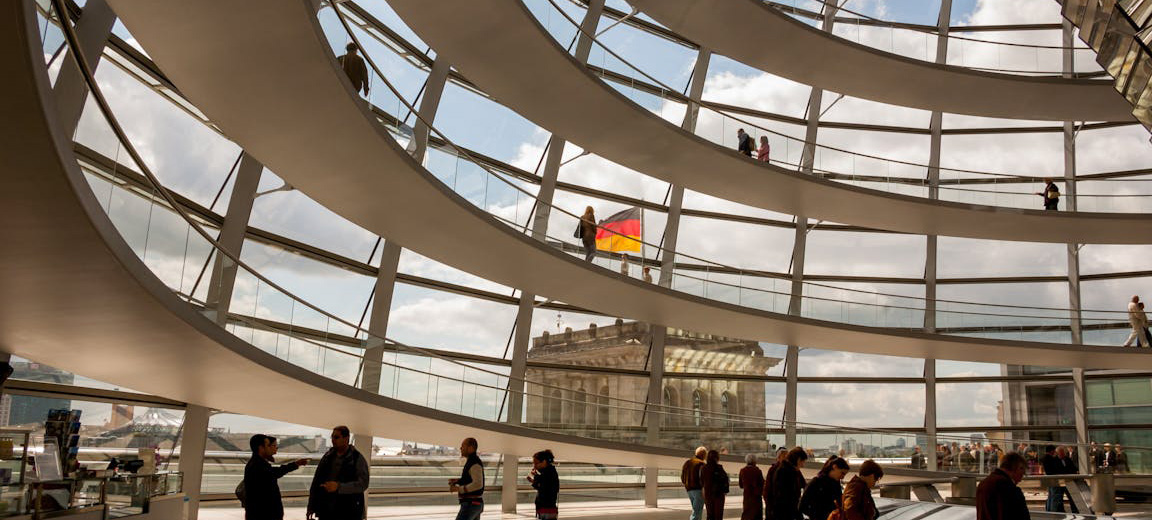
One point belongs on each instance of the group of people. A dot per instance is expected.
(969, 458)
(746, 145)
(781, 493)
(338, 488)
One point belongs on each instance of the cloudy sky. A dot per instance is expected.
(194, 161)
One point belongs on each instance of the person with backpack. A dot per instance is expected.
(715, 482)
(337, 490)
(823, 494)
(752, 482)
(857, 503)
(259, 493)
(787, 485)
(546, 483)
(744, 143)
(1051, 195)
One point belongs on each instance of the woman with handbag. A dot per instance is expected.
(586, 232)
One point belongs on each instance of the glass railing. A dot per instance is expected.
(179, 249)
(717, 124)
(499, 194)
(919, 41)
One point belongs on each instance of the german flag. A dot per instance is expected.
(620, 232)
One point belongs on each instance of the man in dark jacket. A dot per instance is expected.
(469, 488)
(261, 491)
(998, 497)
(337, 491)
(918, 461)
(355, 68)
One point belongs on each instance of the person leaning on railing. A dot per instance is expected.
(857, 502)
(823, 494)
(998, 497)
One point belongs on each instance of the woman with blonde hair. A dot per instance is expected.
(586, 232)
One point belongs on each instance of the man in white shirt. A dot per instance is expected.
(1139, 321)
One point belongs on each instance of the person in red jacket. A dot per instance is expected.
(857, 500)
(998, 497)
(752, 482)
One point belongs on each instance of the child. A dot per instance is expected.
(546, 483)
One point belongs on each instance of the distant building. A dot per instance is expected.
(585, 403)
(22, 410)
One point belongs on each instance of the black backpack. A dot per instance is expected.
(720, 481)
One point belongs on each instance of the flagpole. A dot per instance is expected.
(642, 256)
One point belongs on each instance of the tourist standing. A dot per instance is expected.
(787, 485)
(823, 494)
(1051, 195)
(546, 483)
(998, 497)
(858, 503)
(918, 461)
(261, 491)
(781, 454)
(744, 143)
(715, 483)
(586, 232)
(690, 477)
(751, 480)
(337, 490)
